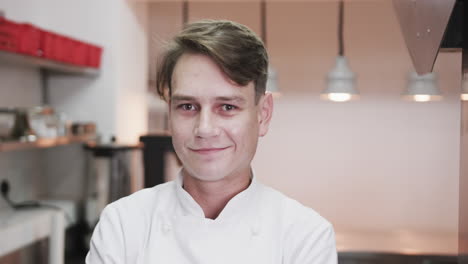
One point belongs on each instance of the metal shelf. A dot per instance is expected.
(44, 143)
(51, 66)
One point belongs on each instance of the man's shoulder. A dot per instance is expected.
(308, 237)
(146, 199)
(292, 211)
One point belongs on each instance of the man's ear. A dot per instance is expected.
(265, 112)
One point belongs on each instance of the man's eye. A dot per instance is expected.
(228, 107)
(187, 107)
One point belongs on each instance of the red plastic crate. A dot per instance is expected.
(9, 35)
(48, 40)
(70, 46)
(29, 40)
(94, 56)
(62, 45)
(55, 47)
(80, 53)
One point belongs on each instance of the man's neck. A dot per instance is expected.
(212, 196)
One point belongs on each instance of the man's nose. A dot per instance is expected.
(206, 125)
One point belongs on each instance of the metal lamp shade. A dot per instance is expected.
(272, 82)
(341, 82)
(422, 88)
(464, 92)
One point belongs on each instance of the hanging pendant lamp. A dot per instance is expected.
(464, 83)
(341, 81)
(464, 92)
(272, 81)
(422, 88)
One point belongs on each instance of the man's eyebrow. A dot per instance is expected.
(182, 98)
(237, 99)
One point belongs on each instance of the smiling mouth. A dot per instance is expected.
(206, 151)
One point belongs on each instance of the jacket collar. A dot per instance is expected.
(239, 205)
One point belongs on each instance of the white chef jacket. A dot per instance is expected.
(165, 225)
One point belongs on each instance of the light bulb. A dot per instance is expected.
(339, 97)
(464, 92)
(421, 97)
(422, 88)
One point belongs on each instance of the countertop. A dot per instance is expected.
(406, 242)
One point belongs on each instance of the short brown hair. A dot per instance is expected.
(235, 48)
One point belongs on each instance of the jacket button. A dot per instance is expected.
(255, 232)
(166, 228)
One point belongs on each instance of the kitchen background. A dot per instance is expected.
(383, 170)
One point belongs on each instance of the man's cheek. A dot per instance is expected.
(241, 126)
(177, 122)
(181, 130)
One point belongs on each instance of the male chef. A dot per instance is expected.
(213, 75)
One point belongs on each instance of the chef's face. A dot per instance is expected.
(215, 123)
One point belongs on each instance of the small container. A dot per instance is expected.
(63, 125)
(83, 128)
(7, 121)
(22, 130)
(15, 126)
(44, 121)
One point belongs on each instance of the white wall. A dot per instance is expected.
(132, 73)
(378, 164)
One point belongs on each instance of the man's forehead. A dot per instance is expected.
(198, 76)
(198, 65)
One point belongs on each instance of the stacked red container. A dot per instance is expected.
(94, 56)
(9, 35)
(62, 47)
(48, 40)
(80, 53)
(30, 40)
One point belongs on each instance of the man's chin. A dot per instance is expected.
(204, 174)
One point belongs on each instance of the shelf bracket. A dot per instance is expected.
(45, 86)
